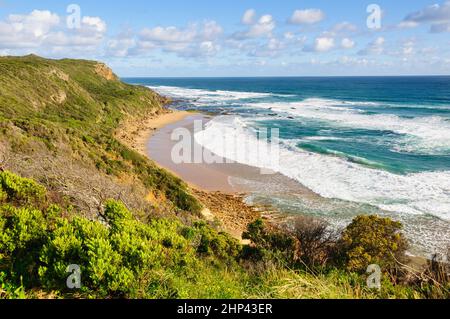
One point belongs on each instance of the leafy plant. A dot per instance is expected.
(372, 240)
(20, 190)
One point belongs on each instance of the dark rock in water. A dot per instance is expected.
(272, 114)
(291, 117)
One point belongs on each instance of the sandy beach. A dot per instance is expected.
(215, 185)
(135, 132)
(211, 184)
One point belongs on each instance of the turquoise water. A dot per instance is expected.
(366, 144)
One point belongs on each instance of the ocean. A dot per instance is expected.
(366, 145)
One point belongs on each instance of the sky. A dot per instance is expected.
(179, 38)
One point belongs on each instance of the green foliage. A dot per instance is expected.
(212, 243)
(116, 213)
(111, 258)
(372, 240)
(22, 232)
(269, 243)
(10, 291)
(20, 190)
(120, 256)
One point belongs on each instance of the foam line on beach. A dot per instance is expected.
(334, 177)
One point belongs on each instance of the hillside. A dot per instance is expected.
(57, 120)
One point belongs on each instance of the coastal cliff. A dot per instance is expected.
(57, 120)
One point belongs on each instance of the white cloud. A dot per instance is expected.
(197, 39)
(375, 47)
(261, 28)
(37, 22)
(249, 17)
(434, 13)
(437, 15)
(323, 44)
(195, 50)
(272, 48)
(440, 27)
(121, 45)
(351, 61)
(307, 16)
(344, 27)
(44, 32)
(21, 31)
(208, 30)
(347, 43)
(407, 24)
(406, 49)
(94, 23)
(168, 34)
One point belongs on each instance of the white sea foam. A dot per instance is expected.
(430, 133)
(334, 177)
(322, 138)
(199, 96)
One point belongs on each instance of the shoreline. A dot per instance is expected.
(224, 204)
(136, 132)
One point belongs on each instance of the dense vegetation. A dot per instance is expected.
(120, 256)
(78, 196)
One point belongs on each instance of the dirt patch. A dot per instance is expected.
(230, 210)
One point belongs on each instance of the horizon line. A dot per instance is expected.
(281, 76)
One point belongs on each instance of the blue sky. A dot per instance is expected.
(236, 38)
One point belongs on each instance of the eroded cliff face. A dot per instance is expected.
(104, 71)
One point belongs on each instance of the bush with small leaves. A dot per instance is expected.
(18, 190)
(372, 240)
(214, 243)
(115, 213)
(22, 232)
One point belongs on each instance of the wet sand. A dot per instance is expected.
(207, 177)
(226, 177)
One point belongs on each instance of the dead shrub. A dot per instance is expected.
(315, 241)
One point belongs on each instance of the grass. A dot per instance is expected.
(50, 105)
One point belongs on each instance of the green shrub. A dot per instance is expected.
(372, 240)
(123, 257)
(113, 258)
(217, 244)
(115, 213)
(10, 291)
(22, 234)
(269, 243)
(3, 195)
(20, 190)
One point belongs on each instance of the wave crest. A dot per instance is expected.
(335, 177)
